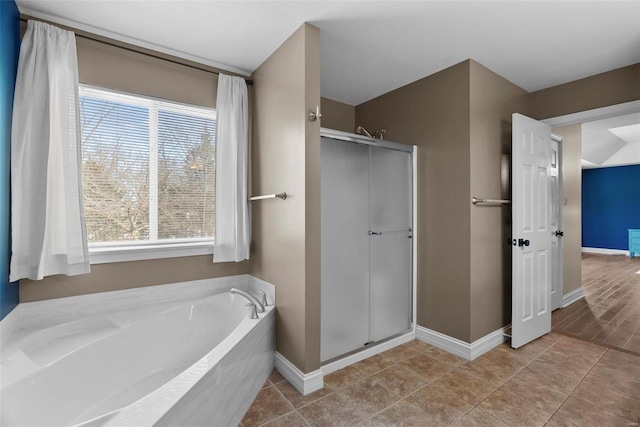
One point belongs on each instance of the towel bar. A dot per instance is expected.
(282, 196)
(476, 200)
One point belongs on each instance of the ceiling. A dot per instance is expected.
(369, 48)
(611, 142)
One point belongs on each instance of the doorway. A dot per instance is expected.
(602, 271)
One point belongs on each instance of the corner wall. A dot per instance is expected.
(610, 88)
(493, 101)
(9, 51)
(433, 113)
(286, 157)
(460, 119)
(337, 115)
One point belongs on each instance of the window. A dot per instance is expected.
(148, 170)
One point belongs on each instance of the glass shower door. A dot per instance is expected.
(345, 247)
(390, 242)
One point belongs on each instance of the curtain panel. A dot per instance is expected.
(48, 230)
(232, 229)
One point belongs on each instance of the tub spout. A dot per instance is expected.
(251, 298)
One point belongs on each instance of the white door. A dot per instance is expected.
(556, 222)
(531, 230)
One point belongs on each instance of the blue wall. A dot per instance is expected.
(9, 50)
(610, 206)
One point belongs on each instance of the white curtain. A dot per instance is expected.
(48, 231)
(232, 235)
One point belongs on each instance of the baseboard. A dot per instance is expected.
(461, 348)
(304, 383)
(368, 352)
(605, 251)
(571, 297)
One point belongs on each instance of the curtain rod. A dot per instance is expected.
(151, 55)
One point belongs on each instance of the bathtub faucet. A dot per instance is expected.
(251, 298)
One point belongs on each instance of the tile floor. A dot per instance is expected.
(556, 380)
(609, 314)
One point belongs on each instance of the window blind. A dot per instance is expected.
(148, 169)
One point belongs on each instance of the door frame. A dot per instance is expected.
(594, 114)
(360, 139)
(556, 300)
(587, 116)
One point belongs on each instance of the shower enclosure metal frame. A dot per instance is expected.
(361, 139)
(411, 150)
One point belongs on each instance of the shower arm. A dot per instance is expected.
(362, 131)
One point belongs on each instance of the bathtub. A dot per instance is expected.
(174, 355)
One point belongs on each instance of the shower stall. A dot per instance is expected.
(366, 293)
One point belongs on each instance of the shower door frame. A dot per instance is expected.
(361, 139)
(412, 150)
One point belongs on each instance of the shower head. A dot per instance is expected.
(362, 131)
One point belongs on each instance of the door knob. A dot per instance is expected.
(559, 233)
(523, 242)
(374, 233)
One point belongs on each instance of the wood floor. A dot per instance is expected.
(609, 314)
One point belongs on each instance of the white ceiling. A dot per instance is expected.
(370, 48)
(611, 142)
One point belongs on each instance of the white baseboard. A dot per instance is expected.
(304, 383)
(313, 381)
(368, 352)
(461, 348)
(571, 297)
(605, 251)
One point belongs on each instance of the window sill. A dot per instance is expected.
(109, 254)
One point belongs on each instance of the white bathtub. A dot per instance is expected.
(174, 355)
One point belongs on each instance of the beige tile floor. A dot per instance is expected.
(556, 381)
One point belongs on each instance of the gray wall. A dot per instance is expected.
(338, 115)
(460, 118)
(433, 113)
(286, 157)
(493, 101)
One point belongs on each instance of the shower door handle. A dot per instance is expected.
(375, 233)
